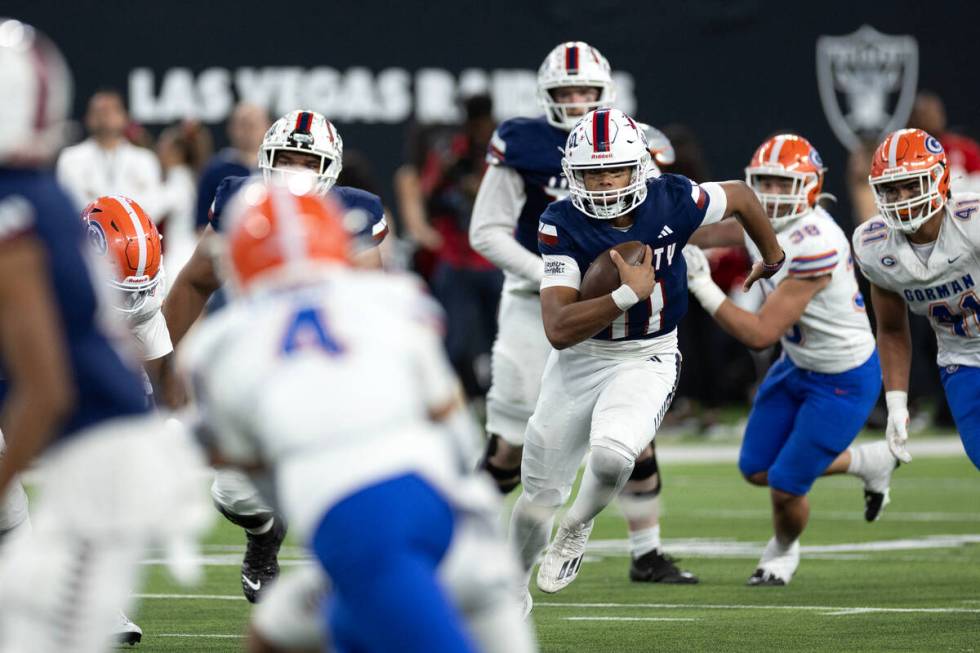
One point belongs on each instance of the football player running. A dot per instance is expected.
(818, 395)
(920, 254)
(524, 176)
(287, 382)
(299, 143)
(112, 480)
(615, 364)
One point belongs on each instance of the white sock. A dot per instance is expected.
(868, 458)
(264, 528)
(775, 550)
(857, 460)
(644, 541)
(530, 529)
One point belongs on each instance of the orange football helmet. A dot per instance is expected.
(909, 155)
(792, 157)
(120, 231)
(283, 231)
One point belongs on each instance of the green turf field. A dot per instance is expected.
(910, 582)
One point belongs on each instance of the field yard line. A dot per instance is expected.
(841, 515)
(717, 606)
(629, 619)
(829, 609)
(197, 635)
(733, 548)
(696, 547)
(200, 597)
(706, 453)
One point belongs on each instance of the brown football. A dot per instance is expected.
(602, 277)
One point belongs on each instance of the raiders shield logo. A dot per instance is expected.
(867, 83)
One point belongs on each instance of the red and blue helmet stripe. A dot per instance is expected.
(600, 131)
(304, 122)
(571, 59)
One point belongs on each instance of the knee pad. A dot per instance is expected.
(505, 479)
(610, 467)
(645, 469)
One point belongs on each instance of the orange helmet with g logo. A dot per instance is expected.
(792, 157)
(283, 231)
(121, 231)
(909, 155)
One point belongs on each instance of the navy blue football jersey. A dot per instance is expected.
(106, 386)
(533, 148)
(673, 209)
(371, 232)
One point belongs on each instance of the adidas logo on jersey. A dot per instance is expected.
(666, 231)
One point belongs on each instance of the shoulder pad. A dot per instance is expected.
(867, 234)
(354, 199)
(225, 191)
(964, 205)
(526, 143)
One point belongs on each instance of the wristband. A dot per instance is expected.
(710, 296)
(773, 268)
(624, 297)
(897, 401)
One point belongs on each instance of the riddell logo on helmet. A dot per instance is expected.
(603, 155)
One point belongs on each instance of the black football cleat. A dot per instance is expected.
(657, 567)
(261, 564)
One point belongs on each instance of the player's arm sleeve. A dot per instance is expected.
(376, 227)
(153, 337)
(498, 206)
(560, 267)
(708, 201)
(814, 258)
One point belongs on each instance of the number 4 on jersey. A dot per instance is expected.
(969, 306)
(306, 330)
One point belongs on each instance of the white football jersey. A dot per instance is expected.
(833, 334)
(330, 385)
(943, 288)
(148, 325)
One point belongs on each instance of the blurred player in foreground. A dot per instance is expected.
(287, 381)
(299, 143)
(524, 176)
(817, 397)
(611, 378)
(112, 479)
(920, 254)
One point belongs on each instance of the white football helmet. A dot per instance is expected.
(606, 138)
(36, 87)
(575, 63)
(306, 132)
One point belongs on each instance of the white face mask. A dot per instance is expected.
(909, 214)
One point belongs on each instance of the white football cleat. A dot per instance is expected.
(563, 560)
(879, 464)
(126, 632)
(777, 565)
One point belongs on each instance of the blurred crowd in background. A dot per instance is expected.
(174, 176)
